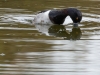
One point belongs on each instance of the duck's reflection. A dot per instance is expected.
(75, 34)
(60, 31)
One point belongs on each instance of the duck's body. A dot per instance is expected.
(58, 16)
(42, 18)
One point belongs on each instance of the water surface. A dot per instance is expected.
(27, 49)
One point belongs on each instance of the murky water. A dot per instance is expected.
(27, 49)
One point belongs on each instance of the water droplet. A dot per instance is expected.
(5, 42)
(2, 54)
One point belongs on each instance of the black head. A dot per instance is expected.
(75, 15)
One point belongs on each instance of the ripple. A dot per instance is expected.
(26, 50)
(15, 16)
(19, 18)
(13, 28)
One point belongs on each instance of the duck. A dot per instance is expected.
(58, 16)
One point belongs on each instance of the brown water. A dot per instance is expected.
(27, 49)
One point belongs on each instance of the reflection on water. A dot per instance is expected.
(60, 31)
(57, 60)
(27, 49)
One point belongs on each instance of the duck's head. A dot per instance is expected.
(75, 15)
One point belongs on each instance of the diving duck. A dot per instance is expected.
(58, 17)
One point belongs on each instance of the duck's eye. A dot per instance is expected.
(76, 18)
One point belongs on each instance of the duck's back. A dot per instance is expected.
(57, 16)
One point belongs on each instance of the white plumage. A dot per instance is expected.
(42, 18)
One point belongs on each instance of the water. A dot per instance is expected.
(27, 49)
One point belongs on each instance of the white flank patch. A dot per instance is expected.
(42, 18)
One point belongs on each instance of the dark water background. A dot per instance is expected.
(27, 49)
